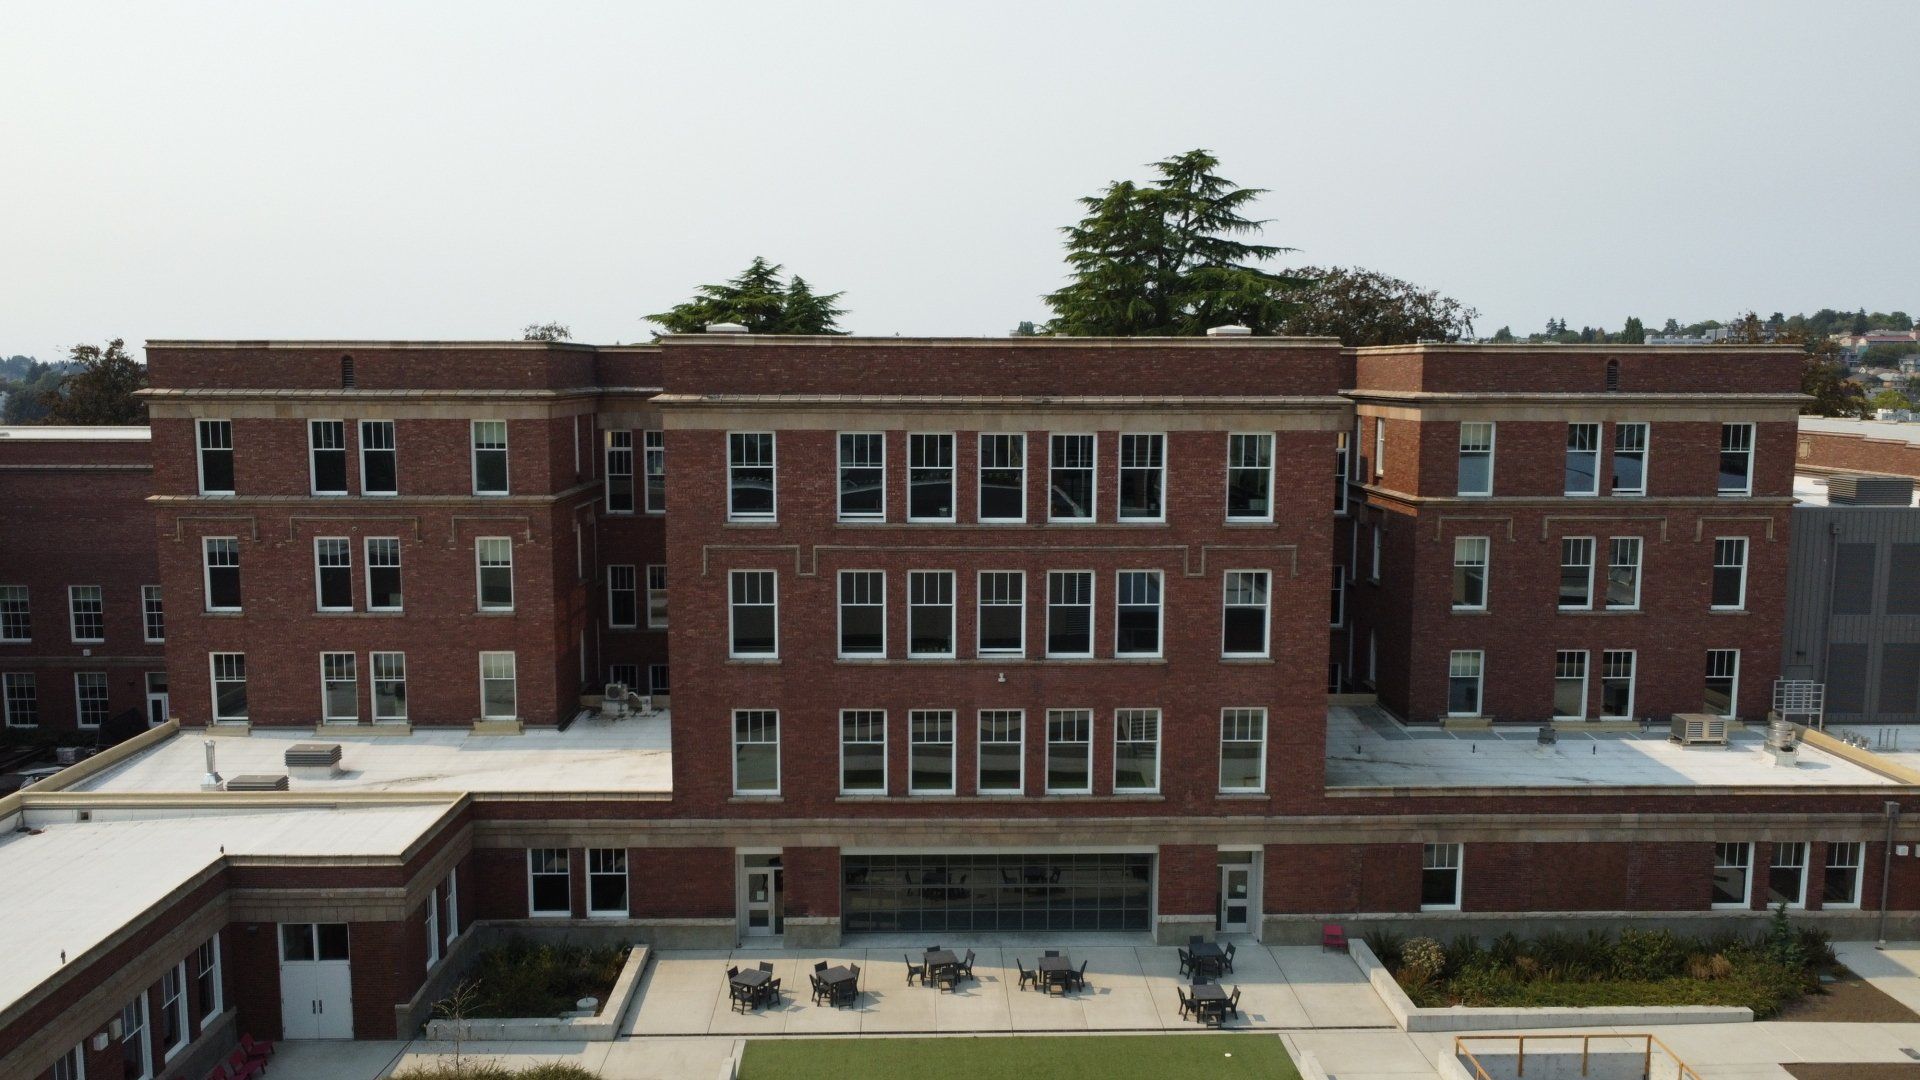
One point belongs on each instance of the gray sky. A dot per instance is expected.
(458, 170)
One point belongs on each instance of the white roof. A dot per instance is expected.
(76, 433)
(1872, 429)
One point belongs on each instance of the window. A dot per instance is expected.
(653, 449)
(1630, 459)
(173, 1011)
(549, 890)
(499, 689)
(90, 698)
(863, 613)
(627, 675)
(327, 456)
(1379, 447)
(1003, 613)
(86, 613)
(1340, 451)
(656, 597)
(1736, 459)
(433, 927)
(339, 688)
(21, 698)
(1002, 756)
(1379, 546)
(1136, 750)
(1250, 477)
(229, 685)
(754, 614)
(1616, 684)
(1729, 573)
(1570, 685)
(1476, 459)
(1071, 481)
(863, 477)
(930, 615)
(453, 903)
(1069, 751)
(215, 438)
(379, 460)
(1583, 459)
(1723, 682)
(222, 560)
(136, 1049)
(383, 574)
(16, 613)
(389, 686)
(657, 680)
(1623, 573)
(1339, 615)
(153, 614)
(1440, 877)
(1840, 888)
(929, 478)
(750, 476)
(619, 472)
(1003, 478)
(930, 752)
(1243, 750)
(208, 992)
(333, 573)
(863, 752)
(1732, 864)
(623, 597)
(607, 882)
(493, 555)
(1464, 669)
(1244, 622)
(1787, 875)
(1576, 572)
(71, 1065)
(756, 752)
(1470, 573)
(1143, 477)
(489, 457)
(1136, 624)
(1070, 613)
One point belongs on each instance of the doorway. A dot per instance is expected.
(316, 981)
(156, 698)
(761, 885)
(1239, 888)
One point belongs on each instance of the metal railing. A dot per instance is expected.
(1682, 1071)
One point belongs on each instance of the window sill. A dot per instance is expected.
(224, 613)
(1240, 796)
(1246, 660)
(495, 612)
(1248, 523)
(752, 523)
(1728, 611)
(754, 661)
(1439, 907)
(1469, 611)
(1601, 611)
(743, 798)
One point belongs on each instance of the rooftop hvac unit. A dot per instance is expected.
(1855, 490)
(258, 782)
(1690, 729)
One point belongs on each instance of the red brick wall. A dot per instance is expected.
(685, 882)
(1719, 369)
(389, 964)
(1189, 879)
(1858, 453)
(811, 880)
(506, 365)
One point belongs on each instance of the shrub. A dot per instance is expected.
(1386, 945)
(1423, 960)
(470, 1069)
(1646, 955)
(523, 978)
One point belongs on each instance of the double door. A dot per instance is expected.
(316, 981)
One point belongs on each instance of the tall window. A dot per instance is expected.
(619, 472)
(333, 573)
(1069, 613)
(1379, 447)
(383, 574)
(389, 686)
(1840, 885)
(607, 882)
(1143, 477)
(1250, 477)
(754, 614)
(1137, 620)
(1379, 549)
(658, 683)
(173, 1010)
(153, 614)
(1069, 751)
(433, 927)
(1723, 682)
(863, 752)
(930, 616)
(750, 476)
(1440, 877)
(1071, 482)
(1576, 572)
(1616, 684)
(499, 686)
(222, 562)
(863, 613)
(929, 477)
(1340, 457)
(339, 687)
(1470, 573)
(863, 476)
(1623, 573)
(136, 1048)
(16, 613)
(215, 446)
(1136, 750)
(86, 613)
(1339, 615)
(656, 597)
(1464, 669)
(1003, 478)
(206, 982)
(327, 456)
(930, 752)
(489, 457)
(549, 892)
(1003, 613)
(229, 685)
(1736, 459)
(90, 698)
(1570, 685)
(71, 1065)
(653, 451)
(1732, 874)
(1244, 620)
(1243, 750)
(1002, 754)
(1730, 573)
(1787, 874)
(623, 597)
(379, 459)
(1630, 459)
(21, 698)
(494, 557)
(1583, 459)
(1476, 459)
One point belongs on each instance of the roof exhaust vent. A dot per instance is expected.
(1230, 330)
(1850, 489)
(726, 328)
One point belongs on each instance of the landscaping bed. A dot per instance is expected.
(524, 978)
(477, 1069)
(1106, 1057)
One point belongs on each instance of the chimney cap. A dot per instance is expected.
(726, 328)
(1229, 330)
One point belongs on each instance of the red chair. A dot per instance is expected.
(242, 1067)
(1333, 936)
(261, 1049)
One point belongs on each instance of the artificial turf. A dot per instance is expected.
(1091, 1057)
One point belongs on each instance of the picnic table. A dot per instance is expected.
(841, 980)
(940, 961)
(751, 978)
(748, 987)
(1208, 956)
(1209, 1001)
(1055, 970)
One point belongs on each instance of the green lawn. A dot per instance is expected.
(1091, 1057)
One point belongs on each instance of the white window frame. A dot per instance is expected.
(140, 1034)
(733, 721)
(1581, 426)
(99, 612)
(29, 680)
(660, 591)
(952, 467)
(1092, 470)
(1733, 694)
(841, 465)
(1379, 546)
(206, 569)
(631, 574)
(1720, 852)
(177, 1001)
(1644, 452)
(329, 678)
(1241, 714)
(337, 544)
(1121, 719)
(1159, 606)
(18, 605)
(981, 603)
(840, 614)
(433, 927)
(1086, 744)
(395, 565)
(597, 859)
(952, 605)
(1339, 620)
(1341, 455)
(1485, 563)
(1475, 448)
(1235, 441)
(1592, 546)
(214, 681)
(1265, 580)
(1773, 863)
(873, 721)
(1563, 662)
(152, 609)
(1092, 599)
(481, 565)
(210, 947)
(1632, 676)
(313, 458)
(1740, 544)
(512, 678)
(453, 904)
(915, 718)
(1379, 447)
(392, 438)
(1615, 545)
(81, 699)
(1858, 866)
(1479, 677)
(506, 458)
(375, 678)
(733, 652)
(980, 467)
(200, 449)
(1747, 451)
(564, 873)
(1018, 742)
(772, 465)
(615, 451)
(653, 448)
(1444, 857)
(1120, 478)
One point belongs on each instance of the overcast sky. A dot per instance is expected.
(424, 170)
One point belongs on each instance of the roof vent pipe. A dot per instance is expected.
(1230, 330)
(726, 328)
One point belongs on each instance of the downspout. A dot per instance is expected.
(1886, 873)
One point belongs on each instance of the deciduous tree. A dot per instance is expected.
(100, 389)
(1364, 307)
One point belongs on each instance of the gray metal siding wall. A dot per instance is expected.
(1868, 652)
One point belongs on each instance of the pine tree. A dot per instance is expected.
(1633, 333)
(760, 301)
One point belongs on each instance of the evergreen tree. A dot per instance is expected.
(760, 301)
(1503, 336)
(100, 389)
(1671, 328)
(547, 331)
(807, 312)
(1633, 333)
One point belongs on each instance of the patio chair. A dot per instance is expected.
(850, 990)
(915, 972)
(731, 972)
(1196, 939)
(1333, 936)
(819, 967)
(966, 966)
(1186, 960)
(1233, 1004)
(766, 967)
(1051, 952)
(819, 988)
(1026, 977)
(256, 1048)
(770, 993)
(743, 998)
(1186, 1003)
(1079, 977)
(1226, 962)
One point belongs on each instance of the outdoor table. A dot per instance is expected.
(839, 978)
(1208, 998)
(1055, 970)
(751, 978)
(1209, 956)
(937, 959)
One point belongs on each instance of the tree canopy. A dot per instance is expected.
(100, 388)
(759, 300)
(1365, 307)
(546, 331)
(1823, 373)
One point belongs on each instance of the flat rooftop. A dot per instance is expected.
(1812, 490)
(1368, 748)
(1872, 429)
(76, 433)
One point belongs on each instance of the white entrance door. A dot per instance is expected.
(156, 698)
(760, 904)
(1236, 897)
(316, 981)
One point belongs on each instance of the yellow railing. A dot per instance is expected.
(1648, 1044)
